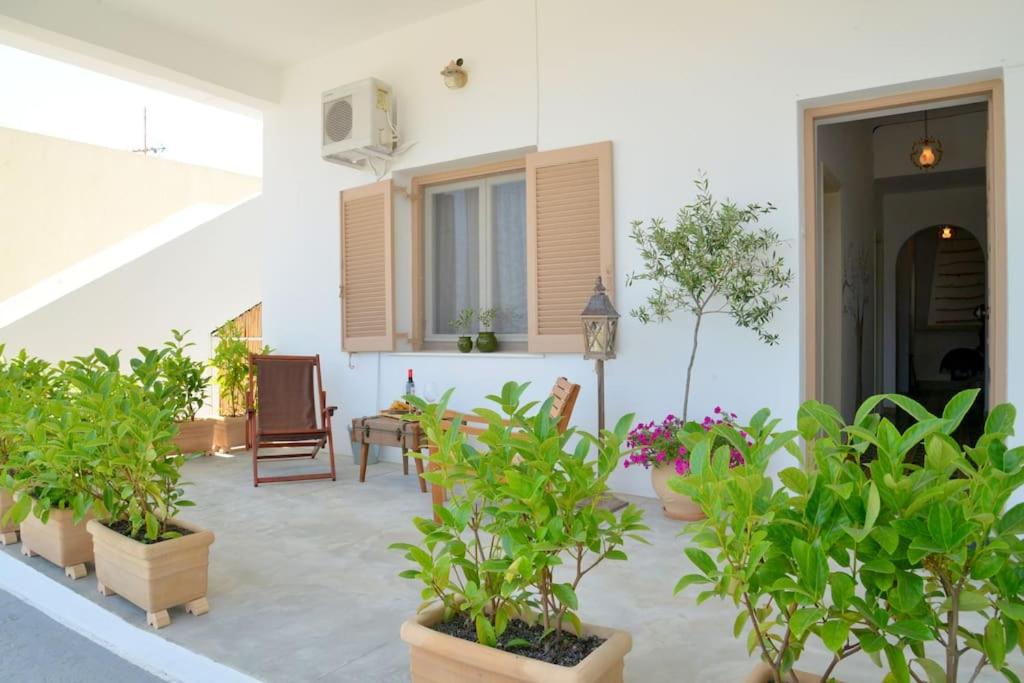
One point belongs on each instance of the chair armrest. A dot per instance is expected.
(468, 417)
(330, 410)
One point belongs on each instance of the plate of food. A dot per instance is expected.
(398, 408)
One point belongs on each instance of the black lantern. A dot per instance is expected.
(600, 323)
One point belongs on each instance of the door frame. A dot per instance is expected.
(995, 181)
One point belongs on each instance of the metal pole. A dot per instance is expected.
(600, 395)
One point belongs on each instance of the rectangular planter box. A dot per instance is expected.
(436, 657)
(153, 576)
(8, 530)
(60, 541)
(229, 433)
(195, 436)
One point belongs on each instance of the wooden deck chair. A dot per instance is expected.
(286, 395)
(564, 393)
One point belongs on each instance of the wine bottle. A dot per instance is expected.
(410, 385)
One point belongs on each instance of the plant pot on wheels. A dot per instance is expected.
(762, 673)
(436, 656)
(8, 530)
(154, 576)
(674, 505)
(195, 436)
(486, 342)
(229, 433)
(59, 540)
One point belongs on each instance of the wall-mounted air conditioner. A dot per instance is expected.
(359, 123)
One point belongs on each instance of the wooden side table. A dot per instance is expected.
(387, 430)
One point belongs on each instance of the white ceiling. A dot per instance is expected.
(280, 32)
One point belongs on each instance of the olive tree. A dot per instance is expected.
(711, 262)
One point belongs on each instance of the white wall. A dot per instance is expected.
(677, 87)
(195, 282)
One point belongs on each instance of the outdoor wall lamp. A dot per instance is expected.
(926, 152)
(455, 76)
(600, 325)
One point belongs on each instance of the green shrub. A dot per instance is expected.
(173, 376)
(231, 363)
(523, 525)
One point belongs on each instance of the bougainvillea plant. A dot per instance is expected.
(657, 445)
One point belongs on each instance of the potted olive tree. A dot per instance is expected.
(498, 609)
(143, 552)
(231, 365)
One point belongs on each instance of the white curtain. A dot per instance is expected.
(508, 255)
(456, 256)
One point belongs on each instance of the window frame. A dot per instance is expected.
(417, 191)
(484, 186)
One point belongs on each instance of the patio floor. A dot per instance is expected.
(303, 587)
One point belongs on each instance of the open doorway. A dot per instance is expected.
(902, 251)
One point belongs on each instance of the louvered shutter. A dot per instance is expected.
(569, 241)
(367, 297)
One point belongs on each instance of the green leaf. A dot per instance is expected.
(897, 664)
(795, 479)
(803, 618)
(834, 634)
(911, 628)
(566, 595)
(689, 580)
(995, 643)
(971, 601)
(873, 506)
(485, 632)
(702, 560)
(935, 673)
(1014, 610)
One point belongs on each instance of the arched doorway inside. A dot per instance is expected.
(941, 312)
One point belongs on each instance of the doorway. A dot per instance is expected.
(905, 271)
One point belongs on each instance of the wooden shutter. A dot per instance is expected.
(367, 296)
(569, 241)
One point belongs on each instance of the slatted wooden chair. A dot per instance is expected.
(285, 398)
(564, 393)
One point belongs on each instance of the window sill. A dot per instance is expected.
(431, 353)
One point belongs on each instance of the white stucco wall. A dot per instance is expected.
(677, 87)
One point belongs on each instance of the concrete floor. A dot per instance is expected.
(35, 648)
(303, 587)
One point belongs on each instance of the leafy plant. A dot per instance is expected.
(710, 263)
(186, 377)
(859, 548)
(522, 505)
(662, 444)
(231, 362)
(487, 317)
(464, 322)
(25, 383)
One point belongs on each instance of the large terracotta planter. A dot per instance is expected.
(156, 576)
(229, 433)
(195, 436)
(675, 505)
(762, 673)
(60, 541)
(436, 657)
(8, 530)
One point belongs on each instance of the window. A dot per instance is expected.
(475, 254)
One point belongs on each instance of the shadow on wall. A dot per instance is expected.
(195, 281)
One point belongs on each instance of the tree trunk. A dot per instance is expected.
(689, 368)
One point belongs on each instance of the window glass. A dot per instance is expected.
(508, 255)
(455, 249)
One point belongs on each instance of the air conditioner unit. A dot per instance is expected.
(358, 122)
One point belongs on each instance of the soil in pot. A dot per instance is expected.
(569, 650)
(125, 529)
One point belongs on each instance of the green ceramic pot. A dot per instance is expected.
(465, 344)
(486, 342)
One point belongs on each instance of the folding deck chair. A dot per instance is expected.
(285, 396)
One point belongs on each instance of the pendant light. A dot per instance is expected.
(927, 151)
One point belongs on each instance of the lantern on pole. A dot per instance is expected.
(600, 325)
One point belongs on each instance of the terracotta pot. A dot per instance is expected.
(762, 673)
(675, 505)
(438, 657)
(8, 530)
(60, 541)
(195, 436)
(154, 576)
(229, 433)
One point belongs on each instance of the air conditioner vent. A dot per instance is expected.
(337, 120)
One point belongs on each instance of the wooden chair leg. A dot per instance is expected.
(255, 465)
(419, 474)
(364, 456)
(330, 451)
(405, 464)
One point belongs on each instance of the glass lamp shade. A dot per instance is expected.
(926, 153)
(600, 325)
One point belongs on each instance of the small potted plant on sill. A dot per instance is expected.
(462, 325)
(181, 383)
(143, 552)
(486, 342)
(661, 449)
(231, 365)
(498, 610)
